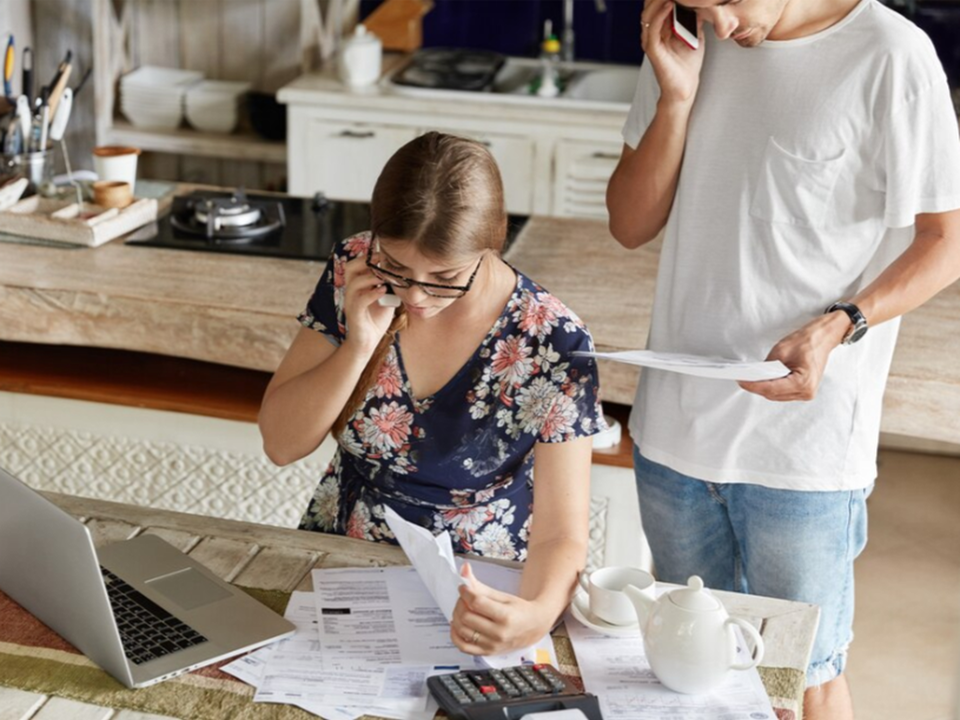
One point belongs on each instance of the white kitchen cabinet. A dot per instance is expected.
(514, 155)
(343, 160)
(582, 170)
(553, 161)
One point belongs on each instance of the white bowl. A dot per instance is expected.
(217, 89)
(217, 122)
(149, 76)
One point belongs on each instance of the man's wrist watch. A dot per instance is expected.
(858, 328)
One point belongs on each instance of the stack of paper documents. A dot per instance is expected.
(368, 638)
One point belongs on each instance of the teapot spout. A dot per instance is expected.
(642, 603)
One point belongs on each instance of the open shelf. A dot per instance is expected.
(186, 141)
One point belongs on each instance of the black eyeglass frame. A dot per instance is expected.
(405, 283)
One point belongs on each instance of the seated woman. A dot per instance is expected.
(464, 409)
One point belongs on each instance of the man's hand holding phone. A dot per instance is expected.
(671, 37)
(686, 26)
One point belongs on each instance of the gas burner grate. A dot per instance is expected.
(229, 217)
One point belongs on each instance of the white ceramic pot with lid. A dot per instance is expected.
(360, 58)
(688, 637)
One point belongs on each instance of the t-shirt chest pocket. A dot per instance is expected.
(794, 190)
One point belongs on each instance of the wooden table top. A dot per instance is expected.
(240, 311)
(261, 556)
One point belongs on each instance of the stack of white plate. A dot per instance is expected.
(152, 97)
(213, 105)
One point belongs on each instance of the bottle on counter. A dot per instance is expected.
(549, 85)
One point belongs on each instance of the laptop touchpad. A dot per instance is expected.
(188, 588)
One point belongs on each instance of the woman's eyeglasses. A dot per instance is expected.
(433, 289)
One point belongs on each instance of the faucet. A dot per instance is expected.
(566, 39)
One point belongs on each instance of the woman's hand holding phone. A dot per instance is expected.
(367, 319)
(675, 64)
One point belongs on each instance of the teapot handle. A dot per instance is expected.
(757, 642)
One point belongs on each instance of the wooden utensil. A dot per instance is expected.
(56, 93)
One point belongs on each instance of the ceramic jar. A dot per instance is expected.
(360, 58)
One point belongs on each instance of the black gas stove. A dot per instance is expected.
(234, 221)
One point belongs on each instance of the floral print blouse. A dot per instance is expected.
(460, 460)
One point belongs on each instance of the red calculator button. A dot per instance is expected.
(487, 689)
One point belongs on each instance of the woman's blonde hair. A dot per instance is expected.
(443, 194)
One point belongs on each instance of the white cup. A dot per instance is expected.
(118, 163)
(604, 588)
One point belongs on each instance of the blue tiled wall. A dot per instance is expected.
(515, 27)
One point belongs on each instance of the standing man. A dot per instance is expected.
(804, 165)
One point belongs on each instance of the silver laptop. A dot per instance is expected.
(140, 609)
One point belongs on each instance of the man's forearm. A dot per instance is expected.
(931, 263)
(641, 190)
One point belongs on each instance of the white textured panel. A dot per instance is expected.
(624, 541)
(596, 550)
(217, 468)
(187, 478)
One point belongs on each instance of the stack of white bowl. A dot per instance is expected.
(213, 105)
(152, 97)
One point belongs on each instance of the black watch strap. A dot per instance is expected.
(858, 327)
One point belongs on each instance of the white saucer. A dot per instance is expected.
(580, 609)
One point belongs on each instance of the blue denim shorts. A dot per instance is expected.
(786, 544)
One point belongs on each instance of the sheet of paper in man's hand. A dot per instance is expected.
(432, 556)
(699, 365)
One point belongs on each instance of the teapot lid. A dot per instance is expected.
(694, 597)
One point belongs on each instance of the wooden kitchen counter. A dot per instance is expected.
(240, 311)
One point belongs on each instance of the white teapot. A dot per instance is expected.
(688, 637)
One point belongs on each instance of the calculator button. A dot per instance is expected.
(510, 689)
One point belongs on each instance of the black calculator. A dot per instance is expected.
(509, 693)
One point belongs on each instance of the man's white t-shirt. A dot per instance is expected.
(805, 163)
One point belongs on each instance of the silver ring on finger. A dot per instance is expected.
(476, 636)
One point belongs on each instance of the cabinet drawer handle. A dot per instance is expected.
(606, 156)
(357, 134)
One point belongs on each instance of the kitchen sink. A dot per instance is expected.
(585, 85)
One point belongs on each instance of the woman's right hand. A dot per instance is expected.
(676, 66)
(367, 320)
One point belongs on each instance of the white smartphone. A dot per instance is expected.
(389, 301)
(685, 25)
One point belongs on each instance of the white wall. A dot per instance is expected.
(15, 18)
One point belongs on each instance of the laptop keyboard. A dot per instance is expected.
(147, 630)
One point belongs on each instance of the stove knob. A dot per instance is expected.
(320, 202)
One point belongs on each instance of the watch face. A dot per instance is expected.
(858, 332)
